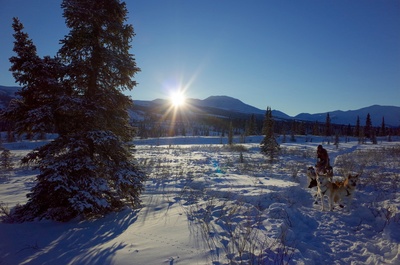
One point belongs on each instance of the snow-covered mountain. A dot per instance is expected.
(228, 106)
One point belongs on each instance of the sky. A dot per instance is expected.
(311, 56)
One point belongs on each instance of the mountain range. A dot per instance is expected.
(226, 106)
(229, 107)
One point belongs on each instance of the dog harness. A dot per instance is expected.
(323, 192)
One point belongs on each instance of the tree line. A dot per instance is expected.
(208, 125)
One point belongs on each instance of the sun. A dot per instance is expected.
(177, 99)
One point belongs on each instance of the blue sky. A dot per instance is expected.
(294, 56)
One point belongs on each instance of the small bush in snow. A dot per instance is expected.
(6, 163)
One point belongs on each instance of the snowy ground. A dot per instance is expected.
(206, 203)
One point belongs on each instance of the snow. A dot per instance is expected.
(206, 203)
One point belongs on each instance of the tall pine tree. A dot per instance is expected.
(328, 129)
(89, 170)
(368, 127)
(357, 129)
(383, 128)
(269, 146)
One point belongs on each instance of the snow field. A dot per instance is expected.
(207, 203)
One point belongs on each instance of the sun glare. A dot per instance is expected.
(177, 99)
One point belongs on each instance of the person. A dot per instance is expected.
(322, 159)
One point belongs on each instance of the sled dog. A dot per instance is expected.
(312, 179)
(312, 175)
(336, 191)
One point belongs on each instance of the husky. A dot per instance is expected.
(336, 191)
(312, 175)
(312, 178)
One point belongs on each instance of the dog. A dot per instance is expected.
(336, 191)
(312, 175)
(312, 178)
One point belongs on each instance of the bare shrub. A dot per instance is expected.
(5, 213)
(236, 228)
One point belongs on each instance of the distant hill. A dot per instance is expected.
(228, 106)
(225, 106)
(217, 105)
(376, 112)
(233, 104)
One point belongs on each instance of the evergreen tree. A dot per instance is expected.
(348, 130)
(316, 128)
(368, 127)
(383, 127)
(89, 170)
(269, 146)
(337, 139)
(357, 128)
(374, 140)
(328, 128)
(361, 136)
(253, 125)
(230, 134)
(293, 131)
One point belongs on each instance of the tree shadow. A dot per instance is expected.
(85, 242)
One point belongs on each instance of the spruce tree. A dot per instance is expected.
(89, 169)
(316, 128)
(383, 128)
(230, 133)
(269, 146)
(328, 125)
(368, 127)
(357, 129)
(253, 125)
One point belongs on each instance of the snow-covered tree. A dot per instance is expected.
(269, 146)
(89, 170)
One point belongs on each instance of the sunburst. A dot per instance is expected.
(177, 99)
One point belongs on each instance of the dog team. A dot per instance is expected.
(322, 178)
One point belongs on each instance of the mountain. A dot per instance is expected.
(224, 106)
(228, 107)
(235, 105)
(226, 103)
(214, 105)
(376, 112)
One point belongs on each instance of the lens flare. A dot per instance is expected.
(177, 99)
